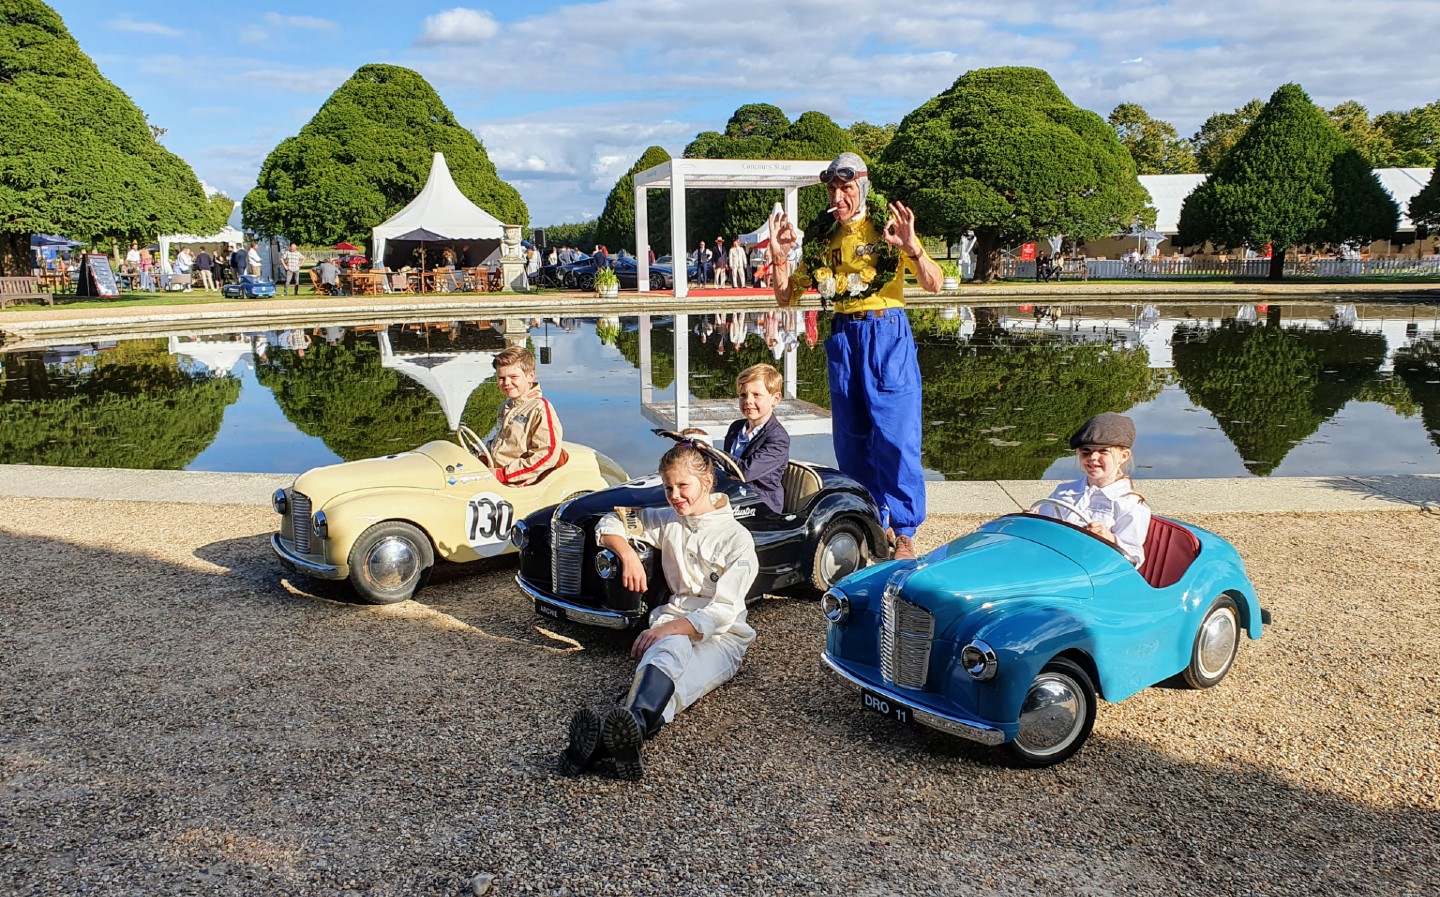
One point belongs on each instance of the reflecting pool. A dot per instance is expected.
(1216, 390)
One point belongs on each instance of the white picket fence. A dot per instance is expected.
(1176, 266)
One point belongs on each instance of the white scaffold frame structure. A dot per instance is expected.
(678, 175)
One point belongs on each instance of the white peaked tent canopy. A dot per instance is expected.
(450, 376)
(218, 356)
(712, 174)
(441, 208)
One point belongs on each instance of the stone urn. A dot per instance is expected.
(950, 283)
(511, 241)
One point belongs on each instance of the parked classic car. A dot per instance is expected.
(829, 527)
(581, 275)
(1009, 635)
(382, 523)
(251, 286)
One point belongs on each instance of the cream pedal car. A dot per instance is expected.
(382, 523)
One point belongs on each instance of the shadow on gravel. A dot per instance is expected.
(170, 729)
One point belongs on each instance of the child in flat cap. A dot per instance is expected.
(1106, 500)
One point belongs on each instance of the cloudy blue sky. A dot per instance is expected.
(567, 95)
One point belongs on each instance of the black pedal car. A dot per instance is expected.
(828, 529)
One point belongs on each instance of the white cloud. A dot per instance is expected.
(125, 23)
(459, 26)
(301, 22)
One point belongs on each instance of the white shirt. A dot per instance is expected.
(253, 256)
(1117, 506)
(709, 563)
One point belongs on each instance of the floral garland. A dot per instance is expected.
(877, 265)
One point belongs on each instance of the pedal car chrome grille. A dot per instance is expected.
(906, 631)
(567, 554)
(300, 520)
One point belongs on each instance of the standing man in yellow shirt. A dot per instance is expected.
(857, 256)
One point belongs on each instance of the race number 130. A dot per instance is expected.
(488, 520)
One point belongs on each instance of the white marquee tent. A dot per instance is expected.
(450, 376)
(442, 209)
(226, 235)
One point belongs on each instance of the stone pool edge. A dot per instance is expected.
(1179, 497)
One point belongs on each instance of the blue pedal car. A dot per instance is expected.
(1007, 636)
(249, 287)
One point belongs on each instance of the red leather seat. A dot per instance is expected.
(1169, 550)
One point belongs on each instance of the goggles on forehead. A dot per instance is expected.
(842, 175)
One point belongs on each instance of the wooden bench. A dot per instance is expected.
(1073, 269)
(13, 288)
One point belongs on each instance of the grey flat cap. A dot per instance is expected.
(1105, 429)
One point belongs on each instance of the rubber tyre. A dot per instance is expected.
(1216, 643)
(412, 560)
(840, 551)
(585, 283)
(1065, 686)
(657, 281)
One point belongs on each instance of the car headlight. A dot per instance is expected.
(320, 526)
(835, 605)
(607, 564)
(978, 659)
(280, 502)
(520, 535)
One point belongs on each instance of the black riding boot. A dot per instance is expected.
(587, 734)
(640, 716)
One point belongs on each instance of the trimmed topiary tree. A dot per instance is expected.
(616, 225)
(759, 131)
(1291, 179)
(364, 156)
(1004, 153)
(1425, 206)
(76, 154)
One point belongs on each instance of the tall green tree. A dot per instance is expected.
(1292, 179)
(76, 155)
(1222, 131)
(759, 131)
(1354, 122)
(364, 156)
(870, 140)
(616, 226)
(1424, 206)
(1415, 135)
(1004, 153)
(1155, 145)
(579, 235)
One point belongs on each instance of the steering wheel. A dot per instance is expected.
(474, 444)
(1059, 503)
(732, 469)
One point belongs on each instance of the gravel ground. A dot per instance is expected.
(177, 717)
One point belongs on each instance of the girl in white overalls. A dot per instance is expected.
(696, 641)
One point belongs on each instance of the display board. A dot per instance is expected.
(97, 278)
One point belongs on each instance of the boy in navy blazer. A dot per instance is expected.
(758, 441)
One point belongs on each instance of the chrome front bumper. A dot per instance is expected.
(547, 605)
(950, 725)
(297, 563)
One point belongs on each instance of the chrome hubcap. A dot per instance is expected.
(1218, 637)
(841, 558)
(1052, 715)
(390, 563)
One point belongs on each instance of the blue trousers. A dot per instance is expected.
(875, 412)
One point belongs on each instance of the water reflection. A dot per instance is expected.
(132, 405)
(1216, 390)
